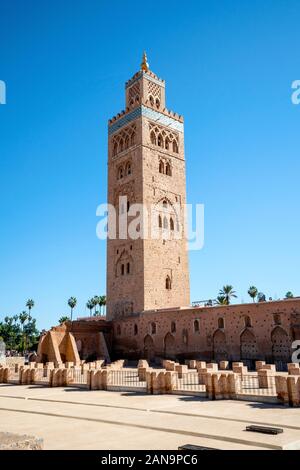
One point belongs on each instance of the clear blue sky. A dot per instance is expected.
(228, 64)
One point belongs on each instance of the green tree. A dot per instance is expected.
(221, 300)
(31, 333)
(90, 305)
(96, 301)
(253, 291)
(29, 305)
(63, 319)
(72, 302)
(289, 295)
(103, 303)
(228, 293)
(23, 317)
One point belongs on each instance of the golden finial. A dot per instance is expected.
(144, 64)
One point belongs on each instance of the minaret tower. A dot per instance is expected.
(146, 165)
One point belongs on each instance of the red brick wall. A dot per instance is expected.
(258, 341)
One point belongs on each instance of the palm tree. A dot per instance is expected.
(96, 300)
(104, 303)
(29, 305)
(63, 319)
(100, 303)
(90, 305)
(23, 317)
(72, 302)
(227, 292)
(221, 300)
(289, 295)
(253, 291)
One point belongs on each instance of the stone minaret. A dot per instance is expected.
(146, 165)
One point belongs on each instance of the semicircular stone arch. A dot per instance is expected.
(149, 351)
(248, 345)
(169, 346)
(281, 345)
(219, 346)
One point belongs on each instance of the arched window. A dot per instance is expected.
(175, 146)
(165, 223)
(165, 204)
(173, 327)
(118, 330)
(168, 283)
(159, 222)
(167, 143)
(126, 142)
(160, 140)
(128, 268)
(221, 323)
(120, 173)
(153, 138)
(135, 330)
(168, 169)
(157, 102)
(121, 145)
(128, 169)
(153, 328)
(151, 99)
(171, 224)
(185, 337)
(247, 321)
(115, 149)
(196, 326)
(122, 269)
(161, 167)
(132, 139)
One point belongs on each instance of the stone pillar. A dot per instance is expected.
(191, 363)
(212, 367)
(200, 365)
(220, 386)
(2, 369)
(94, 379)
(202, 376)
(293, 385)
(259, 365)
(234, 384)
(25, 375)
(180, 369)
(237, 364)
(240, 369)
(170, 381)
(142, 371)
(143, 364)
(210, 385)
(56, 377)
(224, 365)
(292, 367)
(6, 373)
(282, 388)
(169, 365)
(149, 381)
(264, 378)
